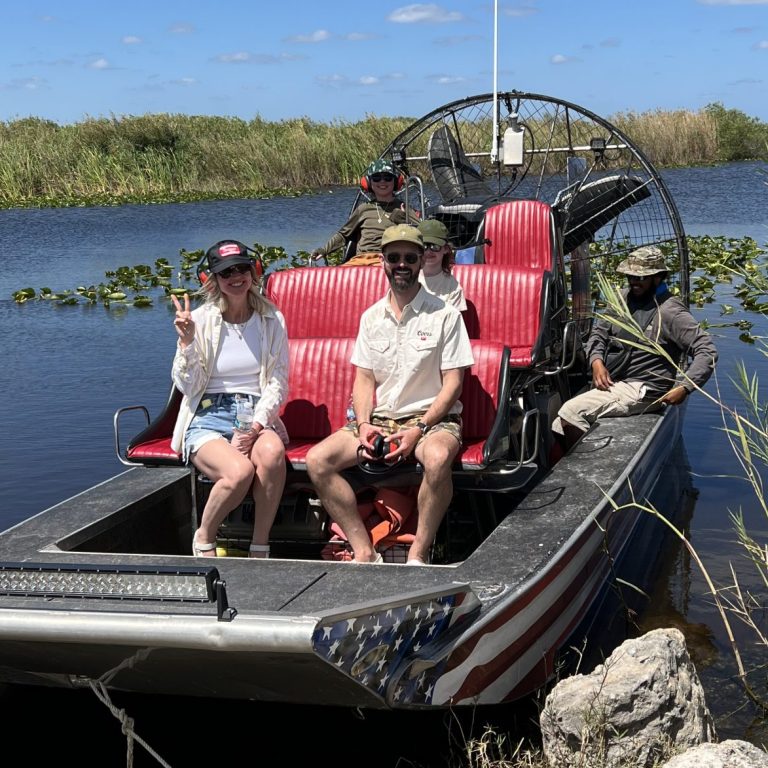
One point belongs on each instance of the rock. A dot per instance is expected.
(727, 754)
(643, 704)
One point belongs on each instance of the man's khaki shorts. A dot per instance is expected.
(451, 424)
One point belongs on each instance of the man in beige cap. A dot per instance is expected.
(410, 354)
(631, 380)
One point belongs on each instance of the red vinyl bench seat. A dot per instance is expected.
(504, 304)
(520, 233)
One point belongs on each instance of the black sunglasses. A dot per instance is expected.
(396, 258)
(236, 269)
(382, 177)
(433, 247)
(638, 278)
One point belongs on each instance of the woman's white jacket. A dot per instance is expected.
(192, 367)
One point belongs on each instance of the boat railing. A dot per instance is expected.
(416, 182)
(570, 350)
(152, 445)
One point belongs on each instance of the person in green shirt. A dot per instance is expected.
(368, 221)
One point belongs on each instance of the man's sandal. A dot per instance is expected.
(261, 551)
(198, 548)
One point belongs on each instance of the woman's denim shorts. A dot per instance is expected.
(214, 418)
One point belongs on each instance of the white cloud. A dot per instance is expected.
(181, 28)
(762, 45)
(447, 79)
(24, 84)
(100, 63)
(234, 58)
(336, 81)
(558, 58)
(244, 57)
(131, 39)
(318, 36)
(357, 36)
(341, 81)
(519, 12)
(449, 42)
(429, 14)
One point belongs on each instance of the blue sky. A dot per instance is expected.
(341, 61)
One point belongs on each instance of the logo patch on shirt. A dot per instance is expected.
(423, 335)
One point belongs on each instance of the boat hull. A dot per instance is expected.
(484, 631)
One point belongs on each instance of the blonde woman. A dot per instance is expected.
(232, 347)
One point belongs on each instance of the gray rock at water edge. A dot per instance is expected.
(727, 754)
(643, 704)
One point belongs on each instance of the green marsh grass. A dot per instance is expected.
(171, 157)
(156, 158)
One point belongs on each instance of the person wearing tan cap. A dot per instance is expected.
(410, 356)
(633, 380)
(436, 268)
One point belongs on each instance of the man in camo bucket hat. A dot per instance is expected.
(627, 380)
(648, 260)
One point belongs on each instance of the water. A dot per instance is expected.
(67, 369)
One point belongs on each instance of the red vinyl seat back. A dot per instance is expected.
(320, 302)
(480, 394)
(519, 233)
(504, 305)
(152, 446)
(320, 379)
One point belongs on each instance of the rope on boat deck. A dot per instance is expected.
(126, 724)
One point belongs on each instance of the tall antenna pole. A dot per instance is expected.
(495, 144)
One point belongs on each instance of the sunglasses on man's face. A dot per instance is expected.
(396, 258)
(638, 278)
(237, 269)
(382, 177)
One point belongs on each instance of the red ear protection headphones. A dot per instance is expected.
(203, 271)
(367, 185)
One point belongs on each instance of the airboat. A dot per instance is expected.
(538, 194)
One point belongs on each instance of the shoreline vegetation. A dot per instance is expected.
(164, 158)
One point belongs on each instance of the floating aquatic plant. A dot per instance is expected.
(140, 285)
(714, 260)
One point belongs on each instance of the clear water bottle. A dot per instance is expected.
(243, 415)
(350, 410)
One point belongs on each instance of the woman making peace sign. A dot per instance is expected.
(231, 348)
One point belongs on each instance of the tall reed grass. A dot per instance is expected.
(179, 157)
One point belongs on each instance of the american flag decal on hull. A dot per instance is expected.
(369, 646)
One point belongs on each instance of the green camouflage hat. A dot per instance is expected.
(402, 233)
(380, 166)
(434, 231)
(648, 260)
